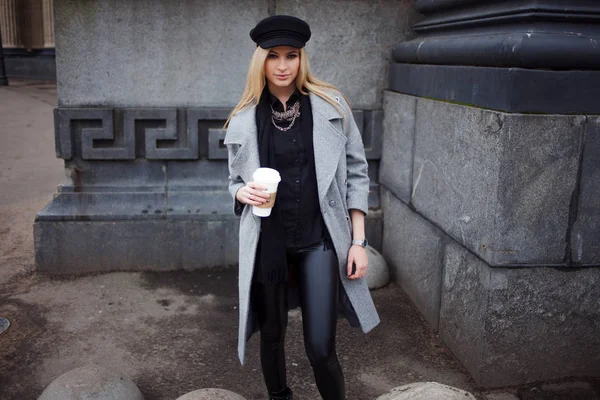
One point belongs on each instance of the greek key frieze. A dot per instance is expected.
(165, 133)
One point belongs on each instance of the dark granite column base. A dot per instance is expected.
(515, 90)
(507, 326)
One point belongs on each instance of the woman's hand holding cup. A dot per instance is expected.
(253, 194)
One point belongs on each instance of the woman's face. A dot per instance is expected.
(281, 65)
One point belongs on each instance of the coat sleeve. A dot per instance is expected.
(357, 196)
(235, 180)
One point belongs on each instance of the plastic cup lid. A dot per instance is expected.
(266, 175)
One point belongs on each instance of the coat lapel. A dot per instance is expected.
(328, 142)
(245, 135)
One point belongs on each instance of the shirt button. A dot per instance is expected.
(293, 140)
(332, 203)
(297, 200)
(297, 180)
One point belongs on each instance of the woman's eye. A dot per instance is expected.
(292, 55)
(272, 56)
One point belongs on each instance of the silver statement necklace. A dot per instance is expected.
(288, 115)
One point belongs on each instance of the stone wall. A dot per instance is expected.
(159, 53)
(490, 225)
(143, 91)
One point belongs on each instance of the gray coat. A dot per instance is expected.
(342, 182)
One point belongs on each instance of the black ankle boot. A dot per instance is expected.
(285, 394)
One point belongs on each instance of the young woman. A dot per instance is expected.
(311, 249)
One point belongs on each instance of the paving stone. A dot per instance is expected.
(426, 391)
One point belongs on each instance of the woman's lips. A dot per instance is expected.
(282, 77)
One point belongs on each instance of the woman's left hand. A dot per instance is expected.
(357, 255)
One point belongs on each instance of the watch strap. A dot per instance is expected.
(360, 242)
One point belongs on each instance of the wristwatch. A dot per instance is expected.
(361, 242)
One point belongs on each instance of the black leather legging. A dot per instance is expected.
(316, 272)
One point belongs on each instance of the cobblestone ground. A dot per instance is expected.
(175, 332)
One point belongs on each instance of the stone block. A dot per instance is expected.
(141, 175)
(191, 54)
(414, 249)
(92, 382)
(500, 184)
(372, 134)
(350, 46)
(509, 326)
(398, 144)
(108, 231)
(104, 206)
(67, 247)
(197, 175)
(585, 236)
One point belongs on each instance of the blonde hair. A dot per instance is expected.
(256, 81)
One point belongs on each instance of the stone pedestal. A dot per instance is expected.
(491, 184)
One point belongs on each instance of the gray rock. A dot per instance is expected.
(585, 240)
(414, 249)
(211, 394)
(426, 391)
(378, 273)
(500, 184)
(92, 382)
(398, 144)
(508, 326)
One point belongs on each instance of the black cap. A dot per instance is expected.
(281, 30)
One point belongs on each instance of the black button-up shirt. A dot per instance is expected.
(297, 193)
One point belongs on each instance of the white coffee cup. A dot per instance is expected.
(270, 178)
